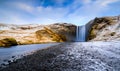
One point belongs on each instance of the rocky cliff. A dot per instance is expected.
(32, 34)
(104, 29)
(68, 30)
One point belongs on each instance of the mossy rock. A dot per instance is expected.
(8, 42)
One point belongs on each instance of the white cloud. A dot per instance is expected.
(86, 1)
(84, 10)
(24, 7)
(12, 18)
(39, 9)
(105, 2)
(89, 10)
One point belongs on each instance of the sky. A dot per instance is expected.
(78, 12)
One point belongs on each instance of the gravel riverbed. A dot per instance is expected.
(74, 56)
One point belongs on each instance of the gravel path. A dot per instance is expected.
(77, 56)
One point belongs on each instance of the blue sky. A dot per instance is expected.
(78, 12)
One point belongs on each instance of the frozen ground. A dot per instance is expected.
(77, 56)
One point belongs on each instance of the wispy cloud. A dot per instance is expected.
(76, 12)
(25, 7)
(106, 2)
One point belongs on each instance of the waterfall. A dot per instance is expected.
(80, 33)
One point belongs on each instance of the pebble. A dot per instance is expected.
(67, 58)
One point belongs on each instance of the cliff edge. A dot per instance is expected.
(104, 29)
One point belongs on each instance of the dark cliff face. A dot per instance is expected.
(88, 27)
(104, 28)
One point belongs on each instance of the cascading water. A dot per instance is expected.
(80, 33)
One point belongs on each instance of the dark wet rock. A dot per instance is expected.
(5, 60)
(13, 56)
(9, 61)
(3, 64)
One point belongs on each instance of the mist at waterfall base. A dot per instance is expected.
(80, 33)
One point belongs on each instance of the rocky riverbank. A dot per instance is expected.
(76, 56)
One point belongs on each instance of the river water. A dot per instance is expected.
(15, 52)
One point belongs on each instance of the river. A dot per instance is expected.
(15, 52)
